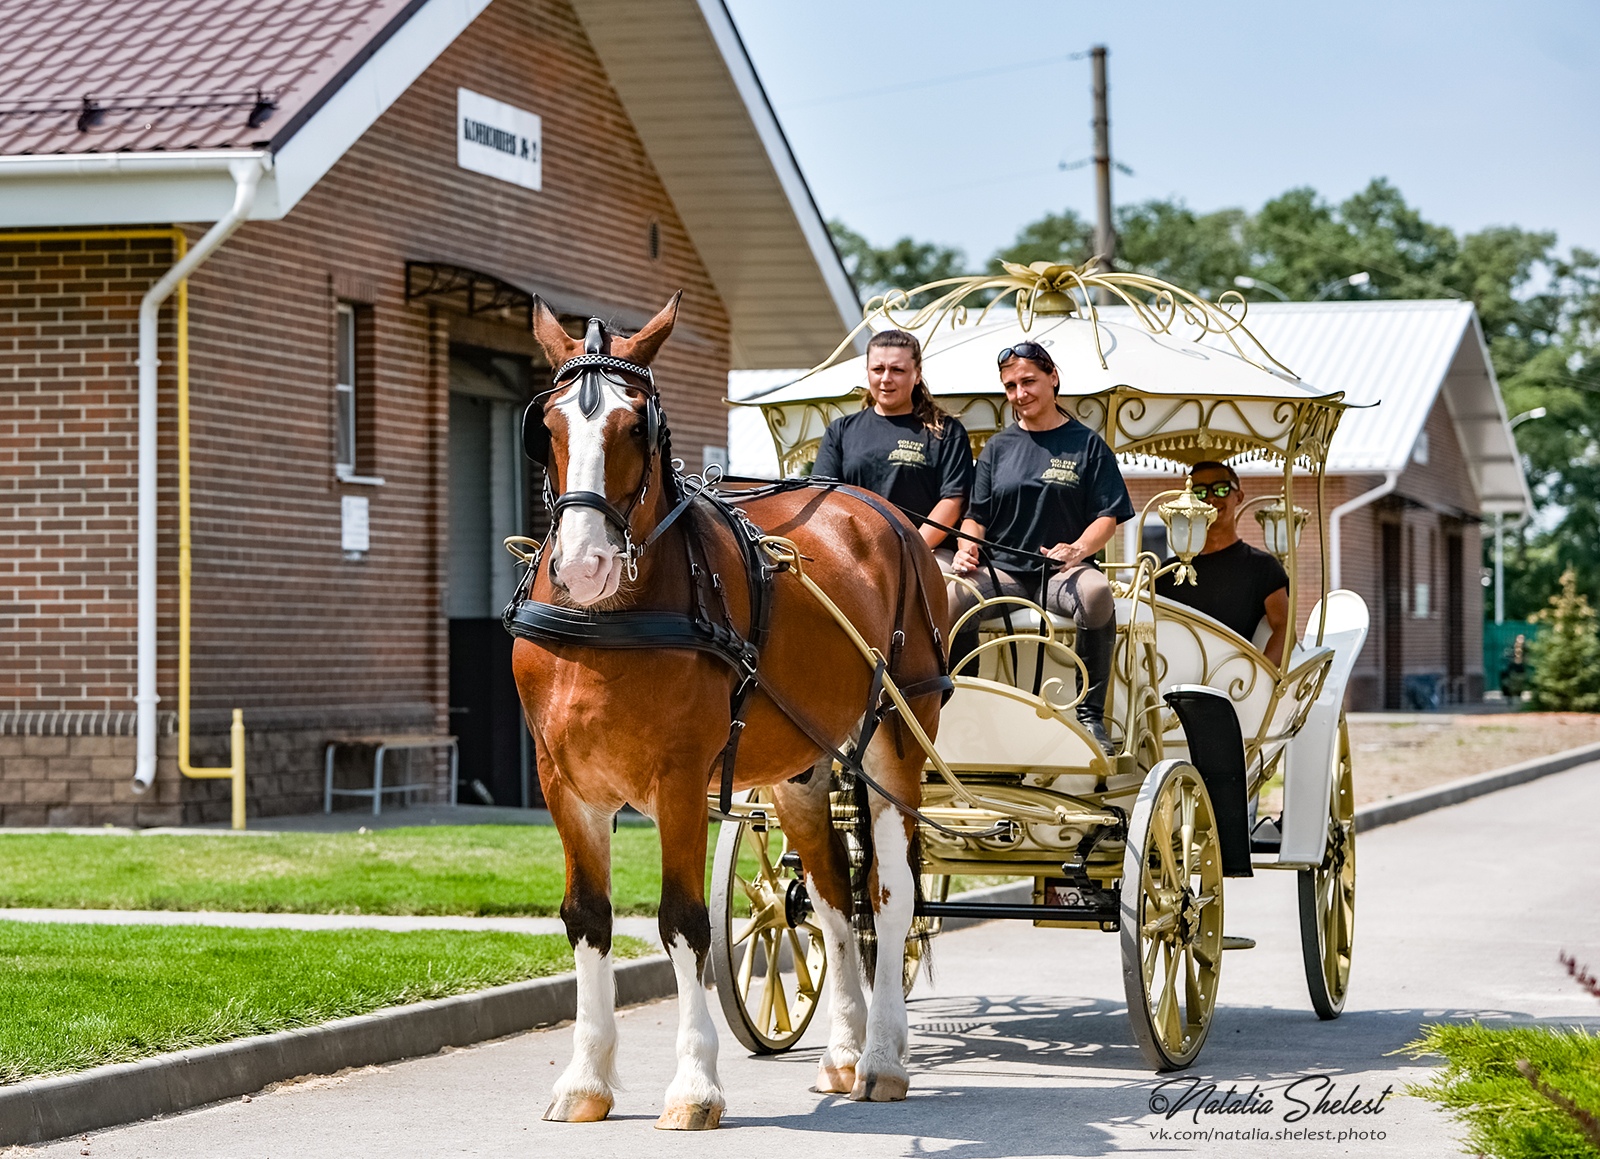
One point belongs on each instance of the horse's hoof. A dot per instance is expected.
(883, 1088)
(578, 1109)
(835, 1080)
(689, 1117)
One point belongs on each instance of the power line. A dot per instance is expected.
(934, 82)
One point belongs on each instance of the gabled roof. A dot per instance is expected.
(103, 76)
(1402, 356)
(178, 83)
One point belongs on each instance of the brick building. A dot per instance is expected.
(356, 354)
(1418, 464)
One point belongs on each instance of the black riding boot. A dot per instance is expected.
(962, 645)
(1094, 648)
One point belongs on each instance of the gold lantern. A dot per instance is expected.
(1188, 518)
(1278, 522)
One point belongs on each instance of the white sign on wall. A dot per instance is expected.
(354, 523)
(498, 140)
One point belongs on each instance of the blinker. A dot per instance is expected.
(535, 435)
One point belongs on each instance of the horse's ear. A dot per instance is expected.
(642, 347)
(558, 345)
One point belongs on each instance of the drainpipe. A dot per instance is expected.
(247, 173)
(1389, 482)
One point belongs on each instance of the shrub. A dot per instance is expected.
(1566, 657)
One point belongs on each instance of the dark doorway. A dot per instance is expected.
(1391, 579)
(489, 500)
(1455, 617)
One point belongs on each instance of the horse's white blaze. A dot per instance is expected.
(586, 561)
(887, 1044)
(593, 1069)
(847, 1003)
(696, 1083)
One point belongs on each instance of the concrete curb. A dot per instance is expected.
(1427, 800)
(51, 1108)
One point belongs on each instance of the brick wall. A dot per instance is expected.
(307, 642)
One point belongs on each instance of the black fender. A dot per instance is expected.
(1216, 749)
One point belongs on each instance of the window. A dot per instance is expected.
(353, 453)
(344, 390)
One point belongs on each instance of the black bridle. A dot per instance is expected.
(589, 369)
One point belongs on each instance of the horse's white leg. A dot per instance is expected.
(881, 1075)
(847, 1003)
(694, 1099)
(584, 1092)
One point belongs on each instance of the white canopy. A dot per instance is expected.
(1156, 395)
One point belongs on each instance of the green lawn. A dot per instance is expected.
(75, 996)
(467, 869)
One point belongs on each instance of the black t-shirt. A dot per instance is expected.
(897, 457)
(1035, 489)
(1234, 585)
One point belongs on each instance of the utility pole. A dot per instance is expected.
(1105, 240)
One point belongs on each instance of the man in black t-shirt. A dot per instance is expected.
(1237, 584)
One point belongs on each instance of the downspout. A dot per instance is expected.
(1390, 481)
(247, 173)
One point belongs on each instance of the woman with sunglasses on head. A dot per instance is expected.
(1049, 485)
(1236, 584)
(903, 446)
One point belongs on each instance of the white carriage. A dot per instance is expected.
(1138, 843)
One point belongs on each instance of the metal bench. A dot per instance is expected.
(384, 744)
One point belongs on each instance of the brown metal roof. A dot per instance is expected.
(98, 76)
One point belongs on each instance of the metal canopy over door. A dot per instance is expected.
(488, 501)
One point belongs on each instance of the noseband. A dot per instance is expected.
(588, 369)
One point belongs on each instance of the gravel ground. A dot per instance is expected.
(1401, 755)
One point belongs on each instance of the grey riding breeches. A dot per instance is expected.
(1081, 592)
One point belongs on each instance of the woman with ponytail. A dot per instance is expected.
(903, 446)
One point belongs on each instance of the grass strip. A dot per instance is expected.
(1504, 1116)
(483, 870)
(77, 996)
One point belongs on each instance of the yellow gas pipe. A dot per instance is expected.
(234, 770)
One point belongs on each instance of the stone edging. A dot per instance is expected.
(51, 1108)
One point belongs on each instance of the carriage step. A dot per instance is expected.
(1233, 942)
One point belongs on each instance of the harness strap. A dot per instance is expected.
(551, 624)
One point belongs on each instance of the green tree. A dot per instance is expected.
(1566, 659)
(1202, 252)
(898, 266)
(1056, 237)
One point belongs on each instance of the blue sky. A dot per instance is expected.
(1482, 113)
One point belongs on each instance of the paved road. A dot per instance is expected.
(1021, 1047)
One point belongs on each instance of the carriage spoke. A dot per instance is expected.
(1187, 811)
(764, 1011)
(747, 968)
(779, 1006)
(1194, 1001)
(1167, 1006)
(802, 972)
(750, 927)
(1150, 956)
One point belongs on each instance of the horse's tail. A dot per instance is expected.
(861, 920)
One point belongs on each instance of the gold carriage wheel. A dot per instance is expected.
(768, 957)
(1171, 913)
(1328, 896)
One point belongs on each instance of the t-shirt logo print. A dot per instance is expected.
(909, 451)
(1062, 471)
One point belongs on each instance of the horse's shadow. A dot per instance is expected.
(1048, 1075)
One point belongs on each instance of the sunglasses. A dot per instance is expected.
(1032, 351)
(1220, 490)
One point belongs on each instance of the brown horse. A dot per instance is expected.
(647, 726)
